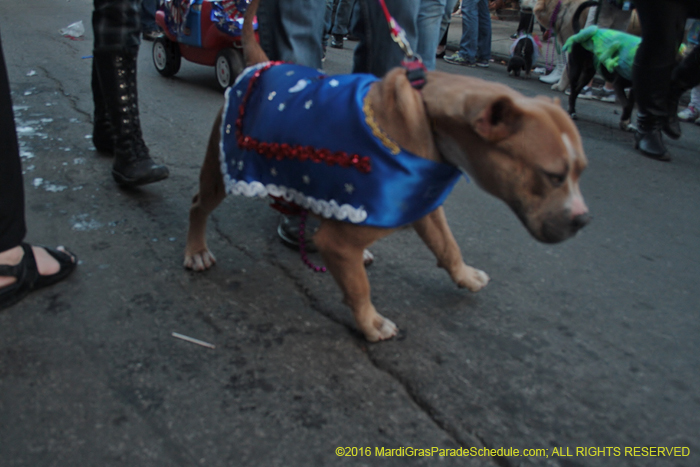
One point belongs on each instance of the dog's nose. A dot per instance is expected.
(580, 221)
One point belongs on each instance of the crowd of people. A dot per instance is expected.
(294, 31)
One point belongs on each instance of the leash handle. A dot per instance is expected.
(415, 70)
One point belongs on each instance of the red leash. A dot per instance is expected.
(415, 70)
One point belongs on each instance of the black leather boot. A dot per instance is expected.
(648, 139)
(133, 165)
(102, 130)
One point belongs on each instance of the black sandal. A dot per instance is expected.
(28, 277)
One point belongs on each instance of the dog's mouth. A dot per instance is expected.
(559, 229)
(554, 228)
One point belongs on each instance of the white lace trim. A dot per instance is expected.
(327, 209)
(249, 71)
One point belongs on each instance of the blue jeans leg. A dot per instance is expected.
(447, 16)
(342, 16)
(470, 30)
(292, 31)
(476, 30)
(328, 21)
(429, 20)
(484, 37)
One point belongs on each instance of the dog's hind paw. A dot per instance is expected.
(199, 261)
(472, 279)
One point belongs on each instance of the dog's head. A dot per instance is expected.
(557, 15)
(525, 151)
(516, 64)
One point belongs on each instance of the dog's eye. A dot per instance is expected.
(555, 179)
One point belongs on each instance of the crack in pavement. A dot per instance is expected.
(71, 98)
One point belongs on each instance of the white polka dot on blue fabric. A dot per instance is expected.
(300, 86)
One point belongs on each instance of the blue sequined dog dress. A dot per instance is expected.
(292, 132)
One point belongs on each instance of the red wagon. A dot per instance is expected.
(207, 32)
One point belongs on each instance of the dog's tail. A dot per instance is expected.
(576, 20)
(252, 52)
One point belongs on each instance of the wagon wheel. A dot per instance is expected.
(166, 56)
(229, 65)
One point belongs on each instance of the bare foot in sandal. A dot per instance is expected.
(26, 268)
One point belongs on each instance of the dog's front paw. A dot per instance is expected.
(200, 260)
(367, 258)
(380, 329)
(471, 278)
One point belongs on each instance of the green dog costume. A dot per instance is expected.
(615, 50)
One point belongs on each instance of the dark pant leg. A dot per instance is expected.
(526, 22)
(662, 25)
(686, 75)
(116, 25)
(377, 52)
(148, 15)
(12, 225)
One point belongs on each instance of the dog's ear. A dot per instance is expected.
(499, 119)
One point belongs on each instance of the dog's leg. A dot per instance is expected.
(581, 71)
(211, 193)
(528, 65)
(627, 104)
(435, 232)
(341, 246)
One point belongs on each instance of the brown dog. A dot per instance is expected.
(558, 15)
(525, 151)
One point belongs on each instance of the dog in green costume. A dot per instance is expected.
(609, 52)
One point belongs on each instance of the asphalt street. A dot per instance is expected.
(586, 351)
